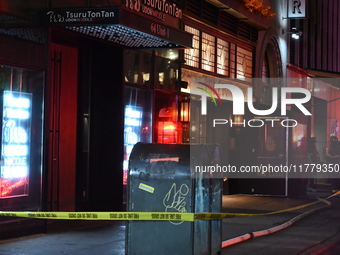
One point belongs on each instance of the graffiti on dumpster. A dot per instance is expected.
(174, 200)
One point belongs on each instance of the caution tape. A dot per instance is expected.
(102, 215)
(159, 216)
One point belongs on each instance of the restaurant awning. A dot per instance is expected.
(120, 26)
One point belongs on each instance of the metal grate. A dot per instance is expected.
(15, 27)
(247, 31)
(210, 12)
(227, 21)
(193, 6)
(31, 34)
(123, 35)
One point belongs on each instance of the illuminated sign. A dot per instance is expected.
(15, 146)
(81, 16)
(296, 8)
(155, 8)
(133, 123)
(132, 133)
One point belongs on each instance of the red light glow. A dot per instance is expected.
(7, 186)
(125, 172)
(167, 132)
(170, 127)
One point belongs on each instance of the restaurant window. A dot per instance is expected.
(218, 55)
(208, 52)
(232, 60)
(244, 63)
(21, 104)
(137, 121)
(137, 67)
(222, 57)
(192, 56)
(166, 70)
(166, 115)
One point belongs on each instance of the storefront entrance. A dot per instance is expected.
(62, 114)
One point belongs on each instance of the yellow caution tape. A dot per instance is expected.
(160, 216)
(102, 215)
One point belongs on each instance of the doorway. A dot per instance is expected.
(62, 109)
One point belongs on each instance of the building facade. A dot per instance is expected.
(99, 76)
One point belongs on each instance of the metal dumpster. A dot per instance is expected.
(160, 179)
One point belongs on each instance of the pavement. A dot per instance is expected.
(317, 232)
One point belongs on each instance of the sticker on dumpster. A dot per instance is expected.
(146, 187)
(164, 159)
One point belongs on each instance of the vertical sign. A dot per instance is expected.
(15, 144)
(296, 9)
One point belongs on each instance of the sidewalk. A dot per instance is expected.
(105, 238)
(318, 232)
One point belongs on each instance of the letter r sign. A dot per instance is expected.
(296, 6)
(296, 9)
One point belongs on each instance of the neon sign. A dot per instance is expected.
(15, 143)
(132, 133)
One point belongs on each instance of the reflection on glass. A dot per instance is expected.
(137, 122)
(166, 74)
(170, 54)
(137, 67)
